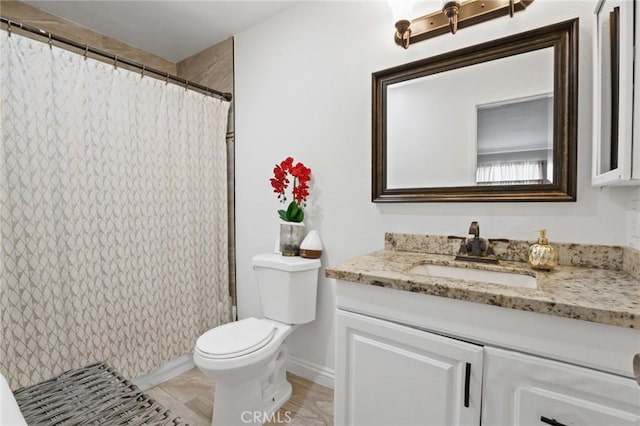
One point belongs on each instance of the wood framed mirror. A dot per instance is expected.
(491, 122)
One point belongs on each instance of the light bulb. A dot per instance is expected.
(401, 9)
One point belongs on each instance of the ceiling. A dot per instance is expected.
(173, 30)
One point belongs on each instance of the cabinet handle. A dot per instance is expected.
(467, 382)
(549, 421)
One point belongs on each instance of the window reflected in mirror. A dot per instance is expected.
(515, 141)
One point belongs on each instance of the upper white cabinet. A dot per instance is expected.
(616, 126)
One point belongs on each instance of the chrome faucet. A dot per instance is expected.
(476, 249)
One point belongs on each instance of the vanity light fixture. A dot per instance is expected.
(454, 14)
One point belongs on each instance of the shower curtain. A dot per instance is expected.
(113, 210)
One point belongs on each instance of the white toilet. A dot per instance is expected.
(247, 358)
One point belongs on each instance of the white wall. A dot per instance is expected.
(303, 88)
(634, 220)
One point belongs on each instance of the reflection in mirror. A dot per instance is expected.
(491, 122)
(515, 141)
(431, 121)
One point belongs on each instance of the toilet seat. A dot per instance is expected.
(235, 339)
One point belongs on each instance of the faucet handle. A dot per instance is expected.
(474, 229)
(463, 243)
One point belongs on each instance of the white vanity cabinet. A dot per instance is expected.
(616, 114)
(390, 374)
(401, 359)
(520, 389)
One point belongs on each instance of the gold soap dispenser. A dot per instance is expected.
(542, 255)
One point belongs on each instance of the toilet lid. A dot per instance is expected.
(236, 338)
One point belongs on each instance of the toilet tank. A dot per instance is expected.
(287, 287)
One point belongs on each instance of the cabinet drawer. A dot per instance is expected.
(525, 390)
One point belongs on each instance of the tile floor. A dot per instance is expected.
(190, 396)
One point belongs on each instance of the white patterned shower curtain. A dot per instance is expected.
(113, 210)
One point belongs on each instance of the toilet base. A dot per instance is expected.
(281, 396)
(254, 401)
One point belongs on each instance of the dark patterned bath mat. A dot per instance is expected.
(93, 395)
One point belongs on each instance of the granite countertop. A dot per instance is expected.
(604, 296)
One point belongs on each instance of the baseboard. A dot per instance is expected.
(311, 371)
(169, 370)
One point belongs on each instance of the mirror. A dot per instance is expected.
(492, 122)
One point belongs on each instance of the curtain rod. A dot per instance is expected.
(115, 58)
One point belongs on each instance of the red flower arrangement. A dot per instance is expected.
(280, 182)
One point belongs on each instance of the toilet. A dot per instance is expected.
(247, 358)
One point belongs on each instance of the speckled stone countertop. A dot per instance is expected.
(607, 296)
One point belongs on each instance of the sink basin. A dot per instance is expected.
(492, 277)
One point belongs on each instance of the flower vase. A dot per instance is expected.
(291, 236)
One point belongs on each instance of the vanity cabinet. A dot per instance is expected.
(390, 374)
(616, 94)
(520, 389)
(402, 359)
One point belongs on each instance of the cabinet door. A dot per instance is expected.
(390, 374)
(523, 390)
(613, 53)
